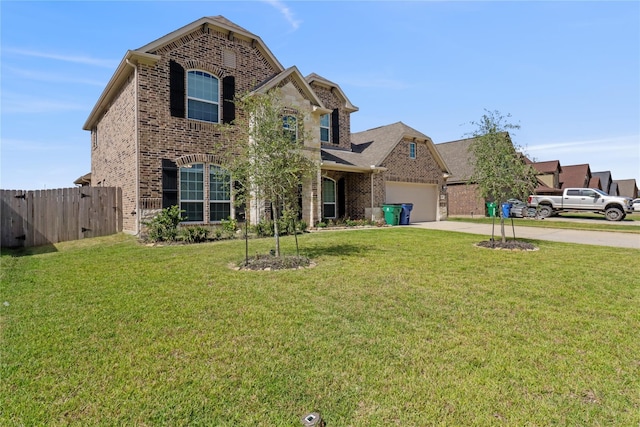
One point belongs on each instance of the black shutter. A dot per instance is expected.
(341, 199)
(169, 183)
(176, 89)
(228, 94)
(335, 126)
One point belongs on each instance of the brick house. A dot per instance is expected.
(155, 133)
(463, 197)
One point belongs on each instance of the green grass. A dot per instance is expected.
(394, 326)
(596, 223)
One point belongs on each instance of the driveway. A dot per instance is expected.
(598, 238)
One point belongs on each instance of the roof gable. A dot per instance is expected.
(458, 157)
(215, 23)
(315, 78)
(294, 75)
(147, 55)
(577, 176)
(370, 148)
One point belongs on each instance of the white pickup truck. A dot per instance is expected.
(582, 200)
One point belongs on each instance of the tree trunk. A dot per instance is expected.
(276, 231)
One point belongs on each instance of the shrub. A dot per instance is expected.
(164, 226)
(229, 225)
(195, 234)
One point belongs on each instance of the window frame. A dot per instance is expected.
(286, 126)
(335, 198)
(192, 97)
(208, 174)
(226, 176)
(412, 150)
(326, 127)
(182, 200)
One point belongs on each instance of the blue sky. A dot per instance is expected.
(568, 72)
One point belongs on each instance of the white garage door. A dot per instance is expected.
(423, 196)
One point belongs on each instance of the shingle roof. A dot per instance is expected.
(315, 78)
(575, 176)
(627, 187)
(605, 179)
(371, 147)
(550, 166)
(458, 158)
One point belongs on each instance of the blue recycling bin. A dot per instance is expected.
(405, 214)
(506, 210)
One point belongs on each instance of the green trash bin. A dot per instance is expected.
(491, 208)
(392, 214)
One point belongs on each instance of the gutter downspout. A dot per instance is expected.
(137, 136)
(373, 171)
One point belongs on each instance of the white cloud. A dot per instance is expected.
(32, 146)
(32, 105)
(620, 155)
(52, 78)
(604, 145)
(285, 11)
(104, 63)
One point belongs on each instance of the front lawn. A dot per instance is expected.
(394, 326)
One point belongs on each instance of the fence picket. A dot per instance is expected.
(40, 217)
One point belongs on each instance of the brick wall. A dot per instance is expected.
(464, 200)
(164, 136)
(423, 169)
(331, 101)
(113, 152)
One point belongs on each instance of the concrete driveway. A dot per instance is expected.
(598, 238)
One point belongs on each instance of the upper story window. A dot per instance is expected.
(290, 126)
(325, 122)
(412, 150)
(203, 96)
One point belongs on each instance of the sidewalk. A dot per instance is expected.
(599, 238)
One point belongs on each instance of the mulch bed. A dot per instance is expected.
(270, 263)
(511, 245)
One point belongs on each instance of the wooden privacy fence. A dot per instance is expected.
(41, 217)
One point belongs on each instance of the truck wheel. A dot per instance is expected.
(614, 214)
(545, 211)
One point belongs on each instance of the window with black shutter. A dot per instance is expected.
(228, 93)
(169, 183)
(335, 126)
(176, 89)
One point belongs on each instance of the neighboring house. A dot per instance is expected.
(463, 197)
(548, 174)
(605, 181)
(156, 134)
(575, 176)
(627, 188)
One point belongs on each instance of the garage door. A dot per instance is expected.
(423, 196)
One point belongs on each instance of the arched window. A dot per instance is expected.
(203, 96)
(328, 198)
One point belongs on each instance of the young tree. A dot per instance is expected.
(272, 164)
(499, 167)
